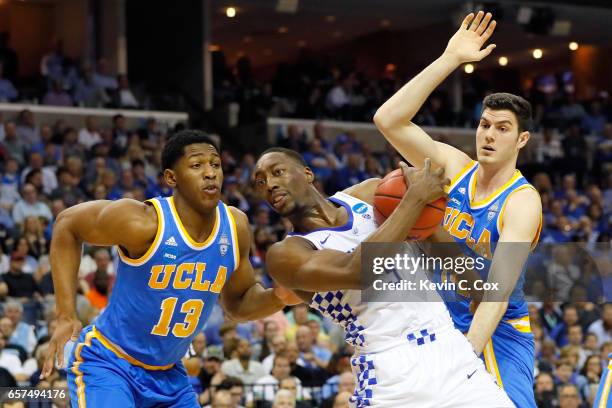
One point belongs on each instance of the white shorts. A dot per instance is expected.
(430, 370)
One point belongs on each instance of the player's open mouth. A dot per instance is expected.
(211, 189)
(488, 148)
(278, 200)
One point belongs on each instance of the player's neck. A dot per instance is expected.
(198, 225)
(320, 213)
(490, 178)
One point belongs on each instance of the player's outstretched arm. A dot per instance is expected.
(295, 264)
(128, 223)
(394, 117)
(242, 298)
(521, 223)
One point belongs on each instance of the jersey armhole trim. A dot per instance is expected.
(466, 169)
(235, 243)
(500, 219)
(158, 236)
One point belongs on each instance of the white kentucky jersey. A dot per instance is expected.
(374, 326)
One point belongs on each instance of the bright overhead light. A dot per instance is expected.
(468, 68)
(503, 61)
(283, 30)
(230, 12)
(573, 46)
(537, 53)
(330, 19)
(385, 23)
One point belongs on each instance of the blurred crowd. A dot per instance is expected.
(64, 81)
(294, 358)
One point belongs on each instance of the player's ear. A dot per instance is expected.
(309, 175)
(170, 178)
(523, 139)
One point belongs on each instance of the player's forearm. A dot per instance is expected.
(405, 103)
(65, 260)
(484, 323)
(256, 303)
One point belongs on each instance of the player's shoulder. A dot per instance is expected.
(132, 211)
(239, 216)
(523, 202)
(289, 245)
(365, 190)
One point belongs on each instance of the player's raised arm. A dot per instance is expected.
(522, 218)
(394, 117)
(128, 223)
(295, 264)
(242, 298)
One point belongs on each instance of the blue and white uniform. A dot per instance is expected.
(406, 353)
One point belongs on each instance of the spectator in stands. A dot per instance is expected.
(30, 205)
(242, 366)
(211, 367)
(70, 145)
(345, 383)
(21, 286)
(26, 128)
(89, 135)
(321, 162)
(36, 162)
(102, 78)
(570, 318)
(265, 386)
(592, 369)
(562, 273)
(264, 347)
(594, 121)
(569, 396)
(125, 97)
(338, 99)
(23, 333)
(34, 235)
(8, 93)
(57, 206)
(298, 316)
(10, 362)
(575, 152)
(97, 289)
(309, 376)
(565, 374)
(8, 57)
(88, 93)
(602, 327)
(312, 355)
(67, 190)
(351, 174)
(221, 399)
(15, 147)
(22, 248)
(9, 190)
(545, 390)
(199, 345)
(277, 346)
(7, 329)
(51, 64)
(57, 96)
(284, 399)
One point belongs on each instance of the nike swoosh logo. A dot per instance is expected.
(325, 240)
(470, 375)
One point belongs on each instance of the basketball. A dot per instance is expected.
(388, 195)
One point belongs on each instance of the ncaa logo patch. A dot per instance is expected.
(360, 208)
(223, 244)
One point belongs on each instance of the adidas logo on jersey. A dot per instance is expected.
(462, 190)
(171, 242)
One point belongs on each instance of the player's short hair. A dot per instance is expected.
(175, 145)
(292, 154)
(514, 103)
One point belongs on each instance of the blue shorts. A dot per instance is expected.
(97, 377)
(509, 357)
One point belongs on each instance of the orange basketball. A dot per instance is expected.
(388, 195)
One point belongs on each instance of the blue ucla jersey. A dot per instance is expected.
(477, 226)
(161, 300)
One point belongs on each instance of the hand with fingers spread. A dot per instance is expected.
(466, 45)
(425, 183)
(67, 329)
